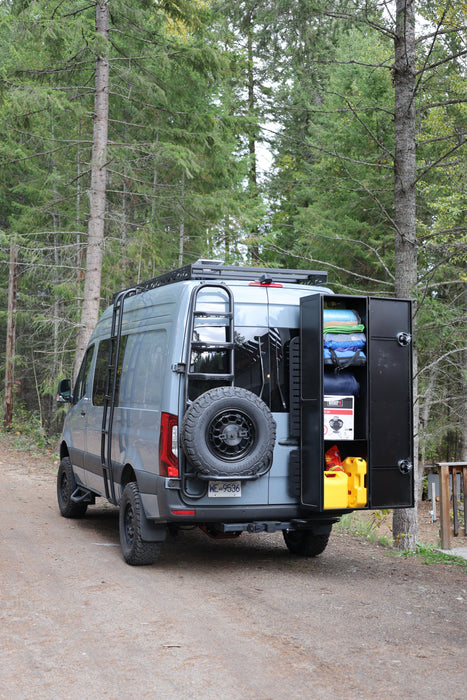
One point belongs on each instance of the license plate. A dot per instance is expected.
(225, 489)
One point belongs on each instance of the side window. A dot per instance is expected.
(100, 374)
(143, 370)
(82, 380)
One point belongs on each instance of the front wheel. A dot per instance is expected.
(66, 485)
(136, 551)
(305, 543)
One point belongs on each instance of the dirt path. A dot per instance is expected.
(230, 619)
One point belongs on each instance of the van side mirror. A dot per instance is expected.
(64, 391)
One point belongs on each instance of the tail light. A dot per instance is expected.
(168, 446)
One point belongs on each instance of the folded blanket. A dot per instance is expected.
(351, 328)
(341, 321)
(345, 341)
(340, 316)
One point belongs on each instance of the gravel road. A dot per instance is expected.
(213, 619)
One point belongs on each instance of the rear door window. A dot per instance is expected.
(261, 358)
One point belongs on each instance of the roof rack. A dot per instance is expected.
(215, 269)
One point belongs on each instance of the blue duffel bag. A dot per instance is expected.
(340, 384)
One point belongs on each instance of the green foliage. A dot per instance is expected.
(431, 555)
(338, 209)
(27, 431)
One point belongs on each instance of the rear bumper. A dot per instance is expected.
(267, 518)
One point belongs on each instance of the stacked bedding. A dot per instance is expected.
(344, 339)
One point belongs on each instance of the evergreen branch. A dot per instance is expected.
(442, 32)
(302, 257)
(71, 14)
(441, 159)
(433, 267)
(309, 110)
(435, 36)
(449, 163)
(320, 149)
(372, 195)
(441, 358)
(443, 232)
(444, 283)
(352, 18)
(29, 134)
(34, 155)
(80, 9)
(447, 244)
(365, 126)
(442, 62)
(353, 62)
(446, 103)
(437, 139)
(72, 67)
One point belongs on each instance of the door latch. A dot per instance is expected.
(405, 466)
(404, 339)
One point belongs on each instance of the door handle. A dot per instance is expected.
(405, 466)
(404, 339)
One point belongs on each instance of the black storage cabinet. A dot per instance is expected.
(383, 429)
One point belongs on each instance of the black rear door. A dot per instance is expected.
(390, 395)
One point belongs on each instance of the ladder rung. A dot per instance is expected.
(211, 377)
(213, 314)
(200, 345)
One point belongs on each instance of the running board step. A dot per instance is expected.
(81, 495)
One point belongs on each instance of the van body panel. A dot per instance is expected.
(284, 304)
(250, 304)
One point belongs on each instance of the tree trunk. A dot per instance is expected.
(405, 523)
(463, 455)
(95, 242)
(10, 337)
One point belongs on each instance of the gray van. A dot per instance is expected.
(239, 400)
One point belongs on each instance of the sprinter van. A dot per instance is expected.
(239, 400)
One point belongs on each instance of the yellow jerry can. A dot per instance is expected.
(355, 469)
(335, 489)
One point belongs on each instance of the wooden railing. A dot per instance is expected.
(448, 472)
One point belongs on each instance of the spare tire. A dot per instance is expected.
(229, 432)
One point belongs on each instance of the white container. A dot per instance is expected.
(338, 418)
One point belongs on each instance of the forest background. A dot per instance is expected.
(256, 132)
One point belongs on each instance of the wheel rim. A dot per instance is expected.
(231, 435)
(64, 488)
(129, 524)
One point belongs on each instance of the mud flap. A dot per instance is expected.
(152, 532)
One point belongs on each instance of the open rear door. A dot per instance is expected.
(382, 415)
(311, 388)
(390, 388)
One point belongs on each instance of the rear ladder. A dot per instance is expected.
(200, 346)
